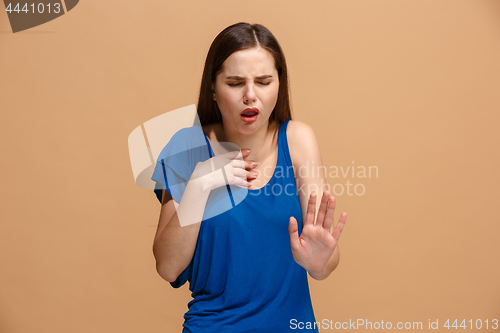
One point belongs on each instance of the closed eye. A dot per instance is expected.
(237, 84)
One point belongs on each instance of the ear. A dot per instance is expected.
(213, 92)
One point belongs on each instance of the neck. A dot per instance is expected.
(258, 142)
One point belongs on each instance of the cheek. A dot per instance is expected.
(227, 100)
(227, 95)
(272, 97)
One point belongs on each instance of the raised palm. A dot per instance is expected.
(316, 243)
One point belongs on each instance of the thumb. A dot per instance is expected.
(293, 230)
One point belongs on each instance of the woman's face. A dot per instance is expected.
(248, 79)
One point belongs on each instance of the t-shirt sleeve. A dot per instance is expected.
(177, 161)
(160, 173)
(173, 169)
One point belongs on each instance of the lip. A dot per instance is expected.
(250, 109)
(249, 119)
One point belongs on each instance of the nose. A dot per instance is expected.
(250, 95)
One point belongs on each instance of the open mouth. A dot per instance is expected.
(249, 115)
(250, 112)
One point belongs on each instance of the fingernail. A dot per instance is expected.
(254, 164)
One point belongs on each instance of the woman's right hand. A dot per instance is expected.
(237, 170)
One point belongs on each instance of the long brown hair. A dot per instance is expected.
(234, 38)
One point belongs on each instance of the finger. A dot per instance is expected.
(246, 152)
(340, 226)
(246, 175)
(311, 209)
(249, 165)
(240, 182)
(252, 175)
(236, 154)
(237, 164)
(327, 224)
(322, 208)
(243, 153)
(237, 172)
(293, 230)
(221, 161)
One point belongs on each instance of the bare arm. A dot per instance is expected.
(179, 223)
(310, 177)
(174, 246)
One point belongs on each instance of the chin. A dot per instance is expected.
(255, 124)
(247, 130)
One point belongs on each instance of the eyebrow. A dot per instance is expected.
(241, 78)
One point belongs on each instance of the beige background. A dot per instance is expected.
(408, 86)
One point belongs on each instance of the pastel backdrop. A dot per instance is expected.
(408, 87)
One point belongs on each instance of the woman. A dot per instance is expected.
(247, 264)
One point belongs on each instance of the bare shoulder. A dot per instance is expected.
(302, 142)
(298, 130)
(300, 136)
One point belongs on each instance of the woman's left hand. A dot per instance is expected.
(316, 243)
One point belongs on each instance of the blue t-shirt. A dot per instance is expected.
(243, 277)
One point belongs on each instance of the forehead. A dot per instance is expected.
(254, 61)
